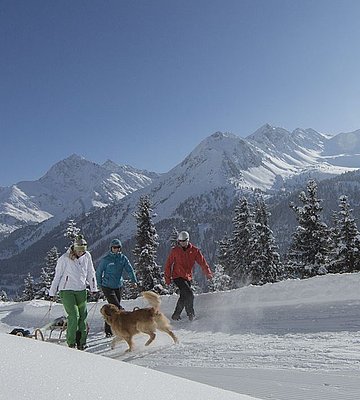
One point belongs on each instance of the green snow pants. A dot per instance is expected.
(75, 303)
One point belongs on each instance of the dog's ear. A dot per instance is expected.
(105, 309)
(108, 310)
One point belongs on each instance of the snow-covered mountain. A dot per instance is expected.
(343, 149)
(71, 187)
(198, 194)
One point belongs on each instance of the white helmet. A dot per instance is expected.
(183, 236)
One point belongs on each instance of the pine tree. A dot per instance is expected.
(220, 281)
(29, 288)
(129, 290)
(308, 254)
(71, 231)
(224, 255)
(241, 244)
(266, 266)
(346, 239)
(3, 296)
(174, 237)
(148, 271)
(47, 274)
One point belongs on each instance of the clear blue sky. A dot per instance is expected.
(142, 82)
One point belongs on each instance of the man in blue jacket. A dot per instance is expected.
(109, 276)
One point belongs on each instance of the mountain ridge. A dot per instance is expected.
(197, 194)
(70, 187)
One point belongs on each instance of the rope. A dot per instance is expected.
(47, 313)
(38, 335)
(92, 310)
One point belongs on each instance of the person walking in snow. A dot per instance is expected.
(179, 268)
(73, 271)
(109, 276)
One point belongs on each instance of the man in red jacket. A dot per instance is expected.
(179, 267)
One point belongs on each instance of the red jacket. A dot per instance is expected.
(180, 263)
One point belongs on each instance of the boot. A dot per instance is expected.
(176, 317)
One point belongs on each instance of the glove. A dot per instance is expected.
(96, 295)
(54, 298)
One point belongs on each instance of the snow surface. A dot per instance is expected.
(291, 340)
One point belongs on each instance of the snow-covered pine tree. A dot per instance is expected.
(224, 254)
(241, 244)
(147, 270)
(129, 291)
(335, 232)
(266, 266)
(172, 288)
(71, 231)
(308, 253)
(29, 288)
(3, 296)
(220, 281)
(174, 237)
(346, 237)
(47, 273)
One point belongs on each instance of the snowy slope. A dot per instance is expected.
(343, 149)
(291, 340)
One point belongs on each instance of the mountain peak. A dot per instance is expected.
(74, 157)
(110, 165)
(269, 132)
(221, 135)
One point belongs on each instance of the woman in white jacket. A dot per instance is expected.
(74, 270)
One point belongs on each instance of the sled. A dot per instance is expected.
(59, 324)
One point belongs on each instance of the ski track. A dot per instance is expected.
(323, 352)
(240, 340)
(292, 337)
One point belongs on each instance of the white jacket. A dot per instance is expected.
(73, 274)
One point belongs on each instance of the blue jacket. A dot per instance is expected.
(110, 270)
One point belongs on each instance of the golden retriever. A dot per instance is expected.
(126, 324)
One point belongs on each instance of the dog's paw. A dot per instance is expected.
(128, 350)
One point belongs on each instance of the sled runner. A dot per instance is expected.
(59, 324)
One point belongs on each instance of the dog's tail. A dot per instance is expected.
(153, 299)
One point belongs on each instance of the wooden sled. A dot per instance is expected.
(58, 324)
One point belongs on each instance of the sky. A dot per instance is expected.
(143, 82)
(288, 340)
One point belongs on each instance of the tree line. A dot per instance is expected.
(248, 255)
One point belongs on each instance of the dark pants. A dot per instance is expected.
(113, 296)
(186, 298)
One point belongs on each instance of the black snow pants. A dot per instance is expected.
(186, 298)
(113, 296)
